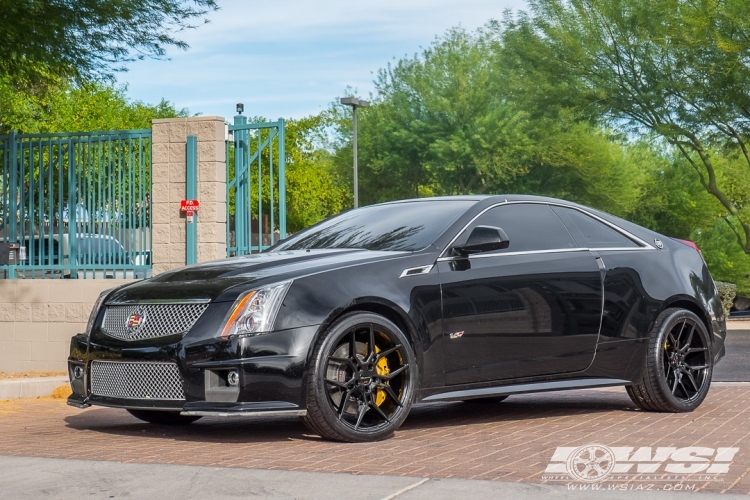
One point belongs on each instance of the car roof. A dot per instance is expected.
(497, 198)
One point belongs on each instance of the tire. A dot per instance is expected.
(486, 401)
(356, 393)
(679, 364)
(163, 417)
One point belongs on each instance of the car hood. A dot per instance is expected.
(223, 280)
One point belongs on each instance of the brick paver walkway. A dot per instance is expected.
(511, 441)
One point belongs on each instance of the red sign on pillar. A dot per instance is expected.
(189, 205)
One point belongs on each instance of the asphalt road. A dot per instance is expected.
(735, 367)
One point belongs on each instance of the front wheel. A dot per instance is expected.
(162, 417)
(362, 380)
(679, 364)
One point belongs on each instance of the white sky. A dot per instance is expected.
(291, 58)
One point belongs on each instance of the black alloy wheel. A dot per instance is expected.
(362, 381)
(160, 417)
(678, 370)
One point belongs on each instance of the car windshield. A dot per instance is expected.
(399, 226)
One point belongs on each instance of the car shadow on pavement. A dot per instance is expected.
(248, 430)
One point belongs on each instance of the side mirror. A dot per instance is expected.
(483, 239)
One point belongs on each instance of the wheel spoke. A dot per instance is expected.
(686, 346)
(342, 385)
(676, 381)
(344, 402)
(667, 364)
(388, 390)
(684, 389)
(697, 349)
(361, 410)
(380, 412)
(696, 368)
(352, 345)
(343, 360)
(385, 353)
(671, 337)
(692, 380)
(371, 355)
(679, 335)
(395, 372)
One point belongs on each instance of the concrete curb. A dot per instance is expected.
(25, 388)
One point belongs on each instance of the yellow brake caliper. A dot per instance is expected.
(383, 370)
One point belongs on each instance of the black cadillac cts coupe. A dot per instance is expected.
(351, 321)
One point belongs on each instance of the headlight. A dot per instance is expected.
(255, 311)
(95, 310)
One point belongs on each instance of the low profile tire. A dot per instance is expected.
(486, 401)
(362, 380)
(162, 417)
(679, 364)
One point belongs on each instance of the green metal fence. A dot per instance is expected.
(77, 203)
(256, 186)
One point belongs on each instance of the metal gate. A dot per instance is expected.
(77, 204)
(256, 186)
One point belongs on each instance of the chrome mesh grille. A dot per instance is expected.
(136, 380)
(157, 320)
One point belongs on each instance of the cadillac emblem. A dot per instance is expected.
(135, 320)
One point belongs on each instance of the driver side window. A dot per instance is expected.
(529, 227)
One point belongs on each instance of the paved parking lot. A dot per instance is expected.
(509, 441)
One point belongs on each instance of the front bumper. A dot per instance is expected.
(271, 369)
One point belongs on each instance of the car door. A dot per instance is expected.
(531, 309)
(626, 304)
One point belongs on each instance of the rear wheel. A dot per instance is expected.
(679, 364)
(362, 380)
(162, 417)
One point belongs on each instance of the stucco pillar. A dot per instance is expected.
(168, 154)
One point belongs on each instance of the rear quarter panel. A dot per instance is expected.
(639, 284)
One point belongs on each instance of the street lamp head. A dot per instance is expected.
(354, 102)
(240, 108)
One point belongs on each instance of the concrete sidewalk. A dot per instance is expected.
(34, 478)
(24, 388)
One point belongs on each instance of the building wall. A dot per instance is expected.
(38, 318)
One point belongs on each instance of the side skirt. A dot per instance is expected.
(557, 385)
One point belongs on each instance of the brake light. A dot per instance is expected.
(691, 244)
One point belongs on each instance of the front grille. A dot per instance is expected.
(153, 320)
(136, 380)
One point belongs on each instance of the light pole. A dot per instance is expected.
(355, 103)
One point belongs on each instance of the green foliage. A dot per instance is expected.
(448, 121)
(66, 107)
(88, 39)
(727, 293)
(672, 69)
(312, 191)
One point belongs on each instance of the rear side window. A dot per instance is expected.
(529, 227)
(590, 233)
